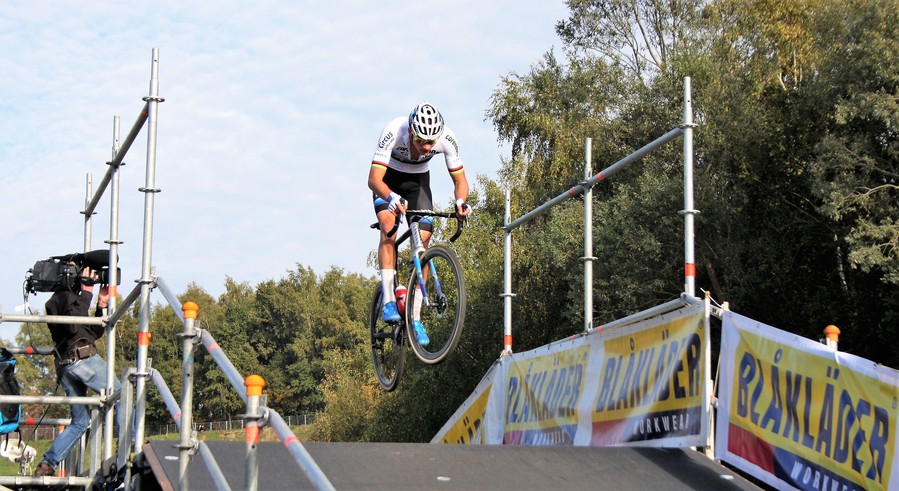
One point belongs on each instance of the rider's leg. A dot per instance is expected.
(386, 250)
(388, 279)
(419, 328)
(417, 299)
(387, 266)
(416, 190)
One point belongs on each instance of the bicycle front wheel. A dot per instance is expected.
(441, 309)
(387, 348)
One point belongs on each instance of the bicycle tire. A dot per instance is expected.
(444, 317)
(387, 346)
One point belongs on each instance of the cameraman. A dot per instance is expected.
(78, 365)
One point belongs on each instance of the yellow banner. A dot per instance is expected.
(469, 423)
(809, 419)
(652, 383)
(543, 396)
(468, 428)
(645, 384)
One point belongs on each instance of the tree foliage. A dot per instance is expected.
(795, 162)
(640, 35)
(856, 167)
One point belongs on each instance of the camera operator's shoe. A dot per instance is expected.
(44, 469)
(389, 313)
(420, 333)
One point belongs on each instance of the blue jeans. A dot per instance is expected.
(76, 378)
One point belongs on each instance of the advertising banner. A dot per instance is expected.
(795, 413)
(544, 390)
(653, 387)
(467, 425)
(644, 384)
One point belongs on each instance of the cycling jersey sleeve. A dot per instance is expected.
(387, 141)
(450, 149)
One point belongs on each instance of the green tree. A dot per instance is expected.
(351, 395)
(856, 169)
(284, 342)
(233, 326)
(36, 374)
(640, 35)
(775, 84)
(795, 131)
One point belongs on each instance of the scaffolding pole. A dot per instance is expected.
(588, 239)
(146, 279)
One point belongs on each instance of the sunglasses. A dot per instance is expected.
(423, 140)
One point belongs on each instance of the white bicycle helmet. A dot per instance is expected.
(426, 121)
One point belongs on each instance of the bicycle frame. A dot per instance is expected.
(418, 248)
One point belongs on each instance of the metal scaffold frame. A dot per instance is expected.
(148, 117)
(132, 397)
(585, 187)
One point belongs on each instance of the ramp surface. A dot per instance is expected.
(398, 466)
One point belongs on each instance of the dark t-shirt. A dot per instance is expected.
(70, 336)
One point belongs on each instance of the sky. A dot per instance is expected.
(271, 116)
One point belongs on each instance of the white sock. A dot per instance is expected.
(416, 307)
(388, 277)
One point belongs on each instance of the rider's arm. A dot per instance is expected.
(376, 180)
(379, 187)
(450, 148)
(460, 191)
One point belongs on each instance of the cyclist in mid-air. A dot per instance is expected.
(399, 171)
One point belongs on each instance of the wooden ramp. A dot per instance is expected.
(400, 466)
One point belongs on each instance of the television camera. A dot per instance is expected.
(64, 272)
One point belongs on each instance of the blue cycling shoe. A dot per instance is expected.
(389, 313)
(420, 333)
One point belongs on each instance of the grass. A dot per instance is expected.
(9, 468)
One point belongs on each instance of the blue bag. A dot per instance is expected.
(9, 386)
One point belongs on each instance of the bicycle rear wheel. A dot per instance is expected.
(387, 347)
(443, 314)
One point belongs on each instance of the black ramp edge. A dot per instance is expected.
(401, 466)
(277, 468)
(157, 468)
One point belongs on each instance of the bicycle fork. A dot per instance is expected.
(418, 251)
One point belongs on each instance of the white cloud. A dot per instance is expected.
(270, 116)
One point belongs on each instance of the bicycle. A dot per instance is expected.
(436, 272)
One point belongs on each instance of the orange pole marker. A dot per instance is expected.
(254, 385)
(143, 338)
(252, 435)
(190, 310)
(690, 270)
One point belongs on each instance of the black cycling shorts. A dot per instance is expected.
(414, 188)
